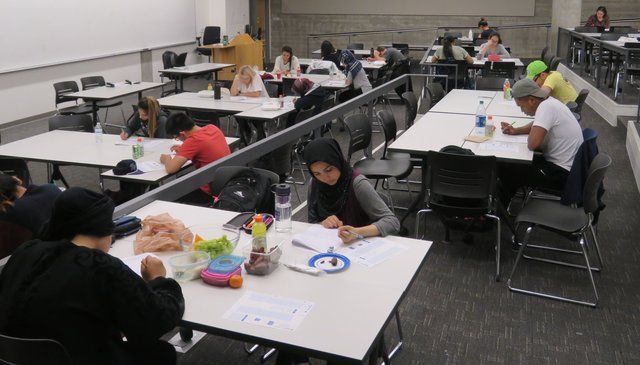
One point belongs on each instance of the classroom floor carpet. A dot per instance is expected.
(455, 313)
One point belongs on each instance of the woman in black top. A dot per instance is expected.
(67, 287)
(328, 53)
(149, 121)
(23, 211)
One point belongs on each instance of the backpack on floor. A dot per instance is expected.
(248, 191)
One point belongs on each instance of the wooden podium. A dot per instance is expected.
(242, 50)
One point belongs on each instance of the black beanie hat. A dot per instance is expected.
(80, 211)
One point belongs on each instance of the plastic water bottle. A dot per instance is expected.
(259, 234)
(141, 146)
(281, 101)
(481, 119)
(98, 132)
(471, 34)
(506, 89)
(283, 207)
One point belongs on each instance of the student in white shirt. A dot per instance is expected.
(247, 82)
(286, 63)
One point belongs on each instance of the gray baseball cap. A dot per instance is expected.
(526, 87)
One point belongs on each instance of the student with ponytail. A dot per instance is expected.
(149, 121)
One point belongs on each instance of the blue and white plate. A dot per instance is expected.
(322, 261)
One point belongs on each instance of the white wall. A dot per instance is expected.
(230, 15)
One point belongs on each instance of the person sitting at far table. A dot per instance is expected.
(247, 82)
(484, 29)
(396, 61)
(494, 46)
(286, 63)
(552, 82)
(599, 19)
(554, 131)
(201, 145)
(450, 52)
(148, 121)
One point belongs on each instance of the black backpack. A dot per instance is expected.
(248, 191)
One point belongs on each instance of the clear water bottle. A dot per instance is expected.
(98, 132)
(283, 207)
(481, 119)
(471, 34)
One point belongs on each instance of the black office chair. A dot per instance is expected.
(16, 167)
(67, 87)
(75, 122)
(568, 221)
(31, 351)
(359, 129)
(91, 82)
(297, 149)
(410, 102)
(204, 117)
(462, 186)
(576, 106)
(168, 61)
(453, 34)
(319, 71)
(543, 54)
(211, 35)
(272, 89)
(436, 91)
(480, 41)
(492, 83)
(555, 62)
(471, 50)
(287, 83)
(402, 47)
(457, 72)
(586, 29)
(622, 29)
(499, 69)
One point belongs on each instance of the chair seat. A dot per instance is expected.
(80, 109)
(204, 51)
(108, 104)
(554, 215)
(398, 156)
(382, 169)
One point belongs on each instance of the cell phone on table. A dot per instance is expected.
(239, 220)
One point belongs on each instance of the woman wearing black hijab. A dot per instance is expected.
(339, 197)
(67, 288)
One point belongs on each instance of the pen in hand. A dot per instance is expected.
(357, 235)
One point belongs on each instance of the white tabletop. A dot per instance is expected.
(463, 101)
(316, 78)
(350, 310)
(226, 103)
(358, 52)
(438, 46)
(479, 63)
(105, 93)
(259, 113)
(197, 68)
(365, 64)
(505, 108)
(504, 147)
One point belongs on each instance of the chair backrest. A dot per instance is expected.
(437, 92)
(622, 29)
(548, 58)
(411, 108)
(480, 41)
(287, 83)
(169, 59)
(454, 34)
(91, 81)
(28, 351)
(355, 46)
(16, 167)
(491, 83)
(586, 29)
(389, 127)
(611, 36)
(580, 99)
(499, 69)
(402, 47)
(359, 127)
(225, 173)
(319, 71)
(305, 114)
(272, 89)
(65, 87)
(555, 62)
(456, 70)
(461, 176)
(597, 170)
(203, 117)
(211, 35)
(544, 52)
(471, 50)
(75, 122)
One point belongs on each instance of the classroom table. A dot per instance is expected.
(463, 101)
(324, 80)
(479, 63)
(107, 93)
(81, 149)
(505, 108)
(367, 65)
(350, 309)
(226, 104)
(357, 52)
(193, 70)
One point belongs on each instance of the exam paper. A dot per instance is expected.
(149, 166)
(499, 147)
(498, 136)
(334, 83)
(268, 310)
(372, 251)
(318, 238)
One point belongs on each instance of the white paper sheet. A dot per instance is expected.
(498, 136)
(267, 310)
(318, 238)
(149, 166)
(334, 83)
(248, 100)
(499, 147)
(146, 143)
(372, 251)
(134, 261)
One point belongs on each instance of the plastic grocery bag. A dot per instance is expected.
(160, 233)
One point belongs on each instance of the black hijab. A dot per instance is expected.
(80, 211)
(331, 199)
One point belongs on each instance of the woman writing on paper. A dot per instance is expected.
(286, 63)
(247, 82)
(356, 76)
(339, 197)
(149, 121)
(494, 47)
(599, 19)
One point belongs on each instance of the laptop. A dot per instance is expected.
(180, 60)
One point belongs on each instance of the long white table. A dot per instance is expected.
(351, 308)
(192, 70)
(367, 65)
(81, 149)
(463, 101)
(480, 63)
(505, 108)
(357, 52)
(226, 104)
(107, 93)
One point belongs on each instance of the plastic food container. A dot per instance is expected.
(261, 263)
(212, 239)
(187, 266)
(220, 270)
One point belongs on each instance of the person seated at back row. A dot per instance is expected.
(552, 82)
(599, 19)
(494, 46)
(149, 121)
(23, 211)
(450, 52)
(247, 82)
(356, 76)
(484, 30)
(329, 53)
(286, 63)
(201, 145)
(67, 287)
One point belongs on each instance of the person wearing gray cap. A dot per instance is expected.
(554, 131)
